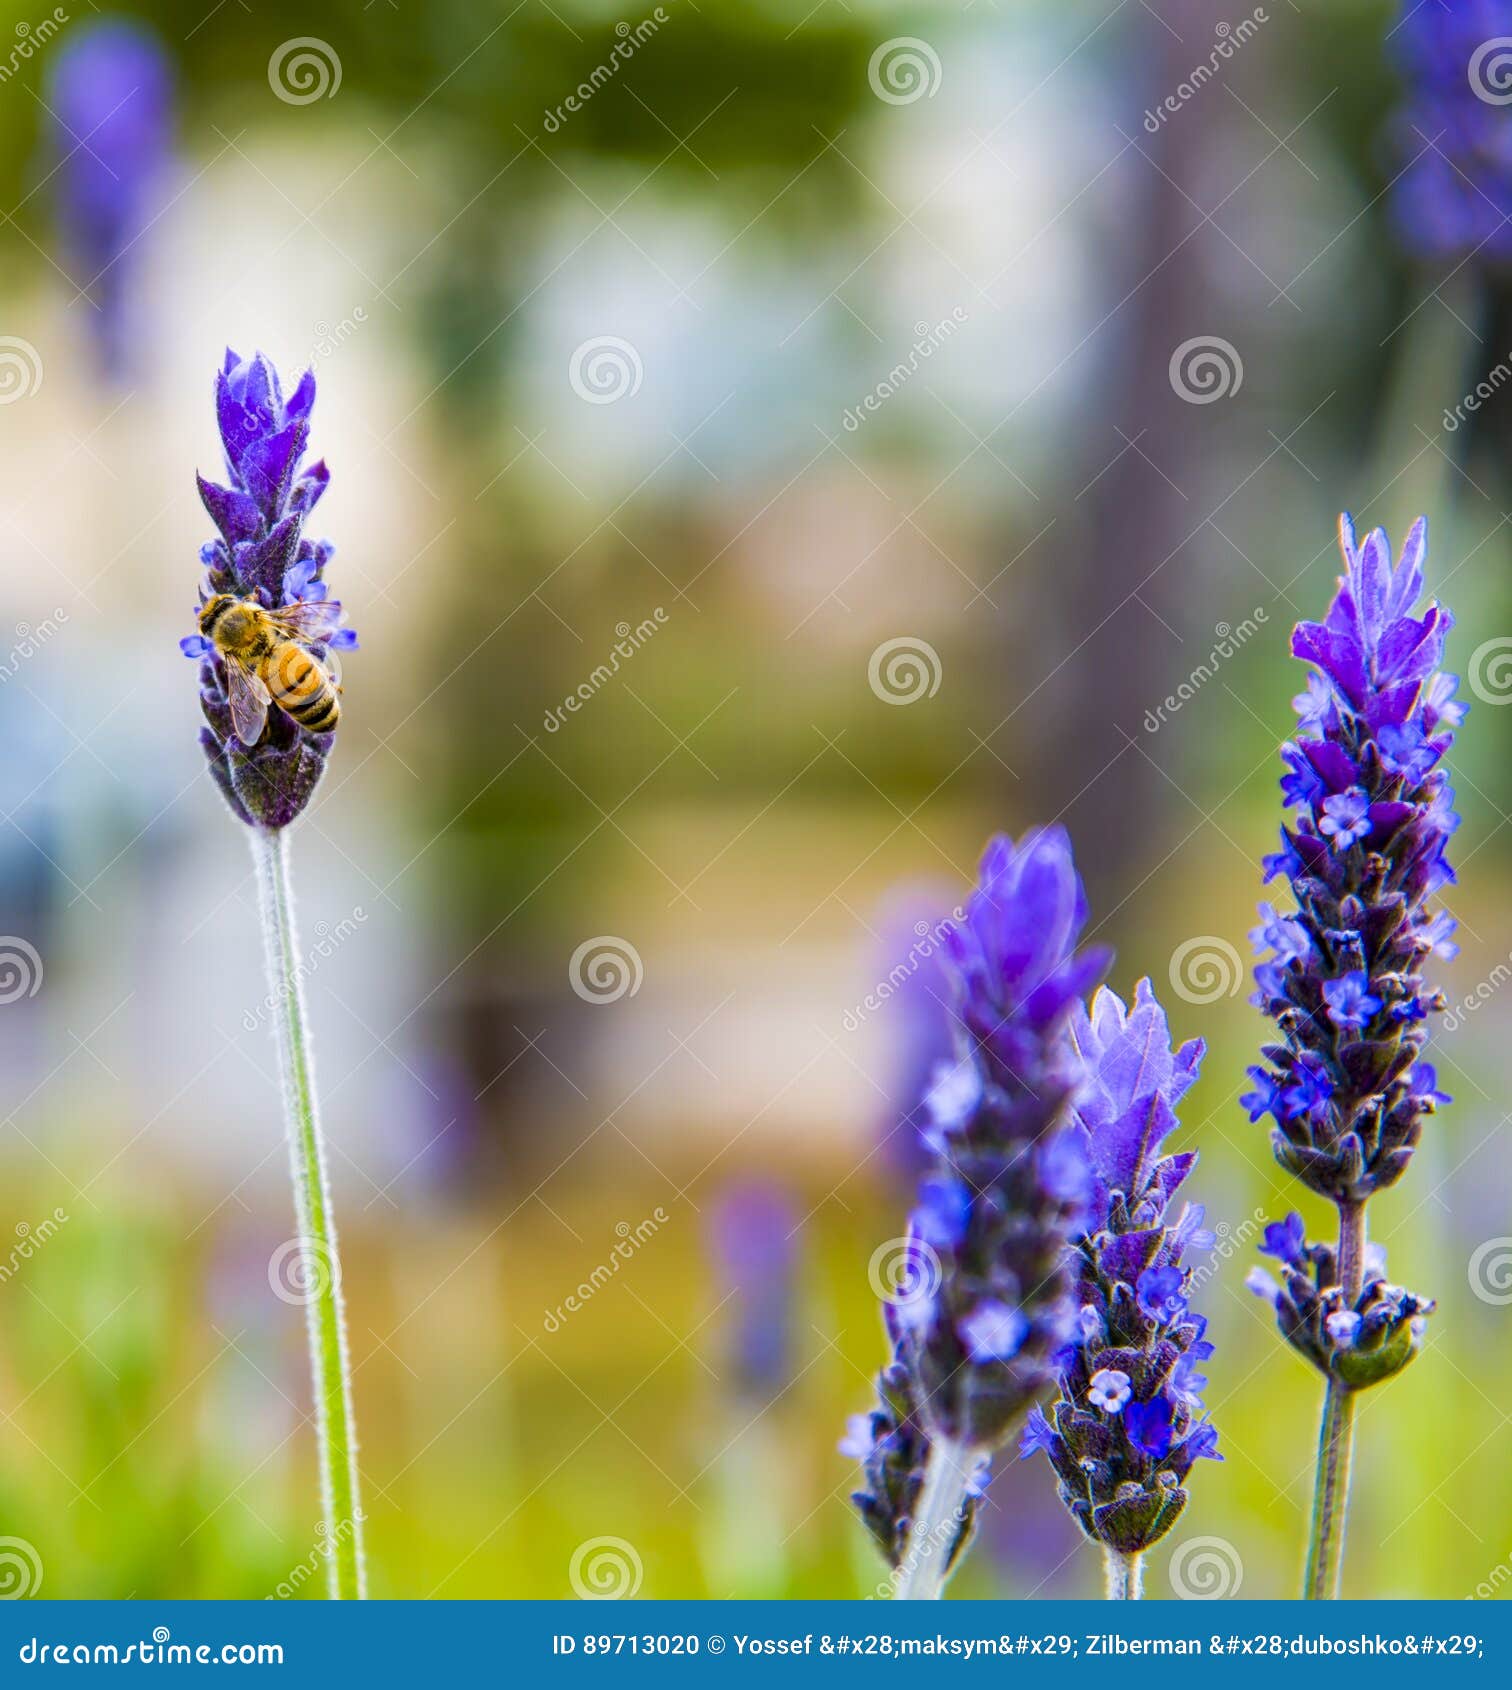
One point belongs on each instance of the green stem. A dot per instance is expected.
(1123, 1576)
(1325, 1546)
(320, 1265)
(922, 1573)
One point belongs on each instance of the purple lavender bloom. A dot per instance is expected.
(1454, 194)
(1345, 1083)
(753, 1237)
(1363, 862)
(262, 554)
(1128, 1424)
(110, 96)
(977, 1345)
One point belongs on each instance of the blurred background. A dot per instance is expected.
(885, 426)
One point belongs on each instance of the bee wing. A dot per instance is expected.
(249, 702)
(309, 622)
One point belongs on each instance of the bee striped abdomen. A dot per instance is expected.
(301, 686)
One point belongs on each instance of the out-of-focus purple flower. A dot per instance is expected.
(977, 1343)
(1127, 1426)
(753, 1235)
(915, 990)
(110, 97)
(1453, 196)
(262, 554)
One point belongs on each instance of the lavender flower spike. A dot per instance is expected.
(262, 563)
(1128, 1425)
(984, 1303)
(262, 554)
(1341, 975)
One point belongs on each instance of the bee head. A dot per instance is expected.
(213, 610)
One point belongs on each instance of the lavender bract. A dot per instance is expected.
(262, 553)
(1128, 1425)
(110, 96)
(1454, 192)
(986, 1302)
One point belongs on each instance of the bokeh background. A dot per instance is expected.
(638, 991)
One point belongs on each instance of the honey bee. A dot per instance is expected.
(267, 661)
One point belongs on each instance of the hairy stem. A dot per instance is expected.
(1325, 1546)
(1123, 1576)
(319, 1266)
(922, 1572)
